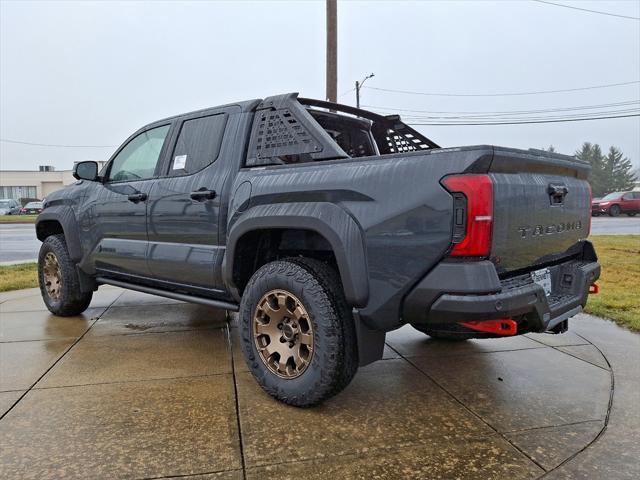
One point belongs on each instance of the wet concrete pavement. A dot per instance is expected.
(145, 387)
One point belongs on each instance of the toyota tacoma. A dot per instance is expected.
(324, 226)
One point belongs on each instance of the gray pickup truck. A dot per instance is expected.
(325, 227)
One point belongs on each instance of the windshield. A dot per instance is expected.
(34, 205)
(612, 196)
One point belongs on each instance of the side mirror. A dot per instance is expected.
(86, 170)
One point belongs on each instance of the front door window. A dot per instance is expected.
(138, 159)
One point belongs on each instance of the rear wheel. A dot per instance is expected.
(297, 333)
(632, 214)
(58, 278)
(614, 211)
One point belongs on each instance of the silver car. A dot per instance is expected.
(9, 206)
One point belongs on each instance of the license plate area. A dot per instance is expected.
(543, 278)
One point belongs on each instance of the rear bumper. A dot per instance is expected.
(456, 292)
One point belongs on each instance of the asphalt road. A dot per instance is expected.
(19, 242)
(622, 225)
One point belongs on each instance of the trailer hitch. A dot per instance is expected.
(501, 326)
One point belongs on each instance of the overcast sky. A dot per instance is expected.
(90, 73)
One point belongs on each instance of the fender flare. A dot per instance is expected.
(65, 217)
(337, 226)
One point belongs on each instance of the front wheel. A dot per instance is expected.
(614, 211)
(58, 278)
(632, 214)
(297, 333)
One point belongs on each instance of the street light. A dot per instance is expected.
(359, 86)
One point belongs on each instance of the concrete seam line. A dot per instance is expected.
(475, 414)
(59, 358)
(606, 419)
(235, 393)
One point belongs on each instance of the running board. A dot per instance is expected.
(175, 296)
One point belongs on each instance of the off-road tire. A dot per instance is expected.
(71, 301)
(335, 357)
(614, 211)
(442, 335)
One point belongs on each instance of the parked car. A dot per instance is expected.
(32, 208)
(9, 206)
(616, 203)
(325, 227)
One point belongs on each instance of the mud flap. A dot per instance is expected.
(370, 342)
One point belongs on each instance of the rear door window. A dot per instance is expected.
(198, 144)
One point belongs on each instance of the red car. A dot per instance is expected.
(32, 208)
(616, 203)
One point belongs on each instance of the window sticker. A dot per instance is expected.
(179, 162)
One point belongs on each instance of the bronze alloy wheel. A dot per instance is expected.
(283, 334)
(52, 276)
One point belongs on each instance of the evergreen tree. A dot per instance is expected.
(619, 171)
(610, 173)
(597, 178)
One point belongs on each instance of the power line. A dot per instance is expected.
(513, 94)
(528, 122)
(507, 112)
(532, 116)
(524, 118)
(528, 117)
(34, 144)
(587, 10)
(344, 93)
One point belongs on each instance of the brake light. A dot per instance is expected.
(478, 191)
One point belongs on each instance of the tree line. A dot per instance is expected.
(612, 172)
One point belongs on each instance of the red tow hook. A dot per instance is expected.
(594, 288)
(501, 326)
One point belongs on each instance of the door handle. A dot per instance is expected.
(137, 197)
(203, 194)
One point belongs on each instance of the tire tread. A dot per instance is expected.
(74, 301)
(338, 363)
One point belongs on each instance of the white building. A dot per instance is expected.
(34, 184)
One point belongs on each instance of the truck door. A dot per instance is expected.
(184, 206)
(117, 213)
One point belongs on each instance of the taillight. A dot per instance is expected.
(478, 193)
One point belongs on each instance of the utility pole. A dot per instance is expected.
(332, 50)
(359, 86)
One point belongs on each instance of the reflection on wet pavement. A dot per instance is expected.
(144, 387)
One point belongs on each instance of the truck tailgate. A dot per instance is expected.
(541, 205)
